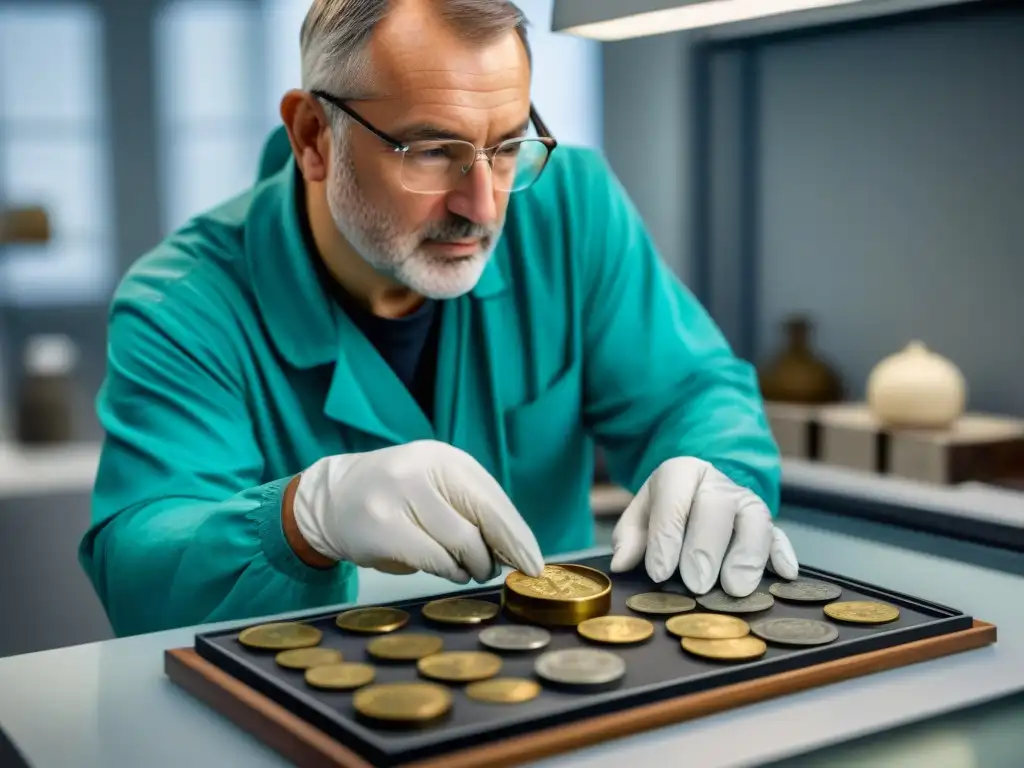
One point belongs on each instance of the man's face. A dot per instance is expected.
(435, 244)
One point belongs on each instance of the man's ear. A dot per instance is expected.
(308, 131)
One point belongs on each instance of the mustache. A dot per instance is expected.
(459, 228)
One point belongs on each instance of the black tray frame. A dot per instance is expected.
(367, 743)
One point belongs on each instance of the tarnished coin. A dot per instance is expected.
(341, 677)
(513, 637)
(736, 649)
(460, 666)
(795, 631)
(280, 636)
(503, 690)
(372, 620)
(805, 590)
(862, 612)
(707, 626)
(717, 600)
(580, 666)
(556, 583)
(460, 610)
(304, 658)
(660, 603)
(405, 646)
(403, 702)
(616, 629)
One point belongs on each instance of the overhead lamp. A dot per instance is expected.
(609, 20)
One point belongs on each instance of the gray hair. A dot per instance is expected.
(335, 34)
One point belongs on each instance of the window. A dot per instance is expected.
(54, 152)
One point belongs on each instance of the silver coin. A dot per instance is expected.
(795, 631)
(717, 600)
(660, 602)
(805, 590)
(580, 666)
(514, 638)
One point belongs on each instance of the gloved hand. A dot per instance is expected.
(423, 506)
(690, 516)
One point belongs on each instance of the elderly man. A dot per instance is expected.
(398, 349)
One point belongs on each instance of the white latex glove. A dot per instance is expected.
(423, 506)
(690, 516)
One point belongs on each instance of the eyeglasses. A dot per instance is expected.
(431, 166)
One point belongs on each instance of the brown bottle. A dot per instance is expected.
(45, 405)
(797, 375)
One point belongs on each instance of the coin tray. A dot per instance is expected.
(656, 670)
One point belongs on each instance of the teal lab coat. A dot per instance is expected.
(229, 371)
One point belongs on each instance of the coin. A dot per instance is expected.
(795, 631)
(280, 636)
(460, 610)
(405, 646)
(616, 629)
(555, 583)
(340, 677)
(460, 666)
(707, 626)
(514, 638)
(717, 600)
(660, 603)
(503, 690)
(805, 590)
(580, 666)
(735, 649)
(403, 702)
(372, 620)
(304, 658)
(862, 612)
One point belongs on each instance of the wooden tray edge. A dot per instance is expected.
(305, 745)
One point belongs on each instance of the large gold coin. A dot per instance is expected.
(280, 636)
(504, 690)
(403, 702)
(341, 677)
(707, 626)
(460, 610)
(460, 666)
(862, 612)
(616, 629)
(304, 658)
(556, 583)
(372, 620)
(406, 646)
(734, 649)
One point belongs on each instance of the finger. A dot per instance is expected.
(783, 556)
(480, 499)
(459, 537)
(394, 567)
(629, 536)
(744, 562)
(410, 545)
(672, 497)
(707, 537)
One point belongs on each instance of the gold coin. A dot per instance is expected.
(304, 658)
(372, 620)
(280, 636)
(504, 690)
(616, 629)
(733, 649)
(403, 702)
(460, 666)
(341, 677)
(862, 612)
(707, 626)
(660, 603)
(460, 610)
(556, 583)
(406, 646)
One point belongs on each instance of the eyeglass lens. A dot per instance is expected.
(438, 166)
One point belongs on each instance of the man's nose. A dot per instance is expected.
(473, 198)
